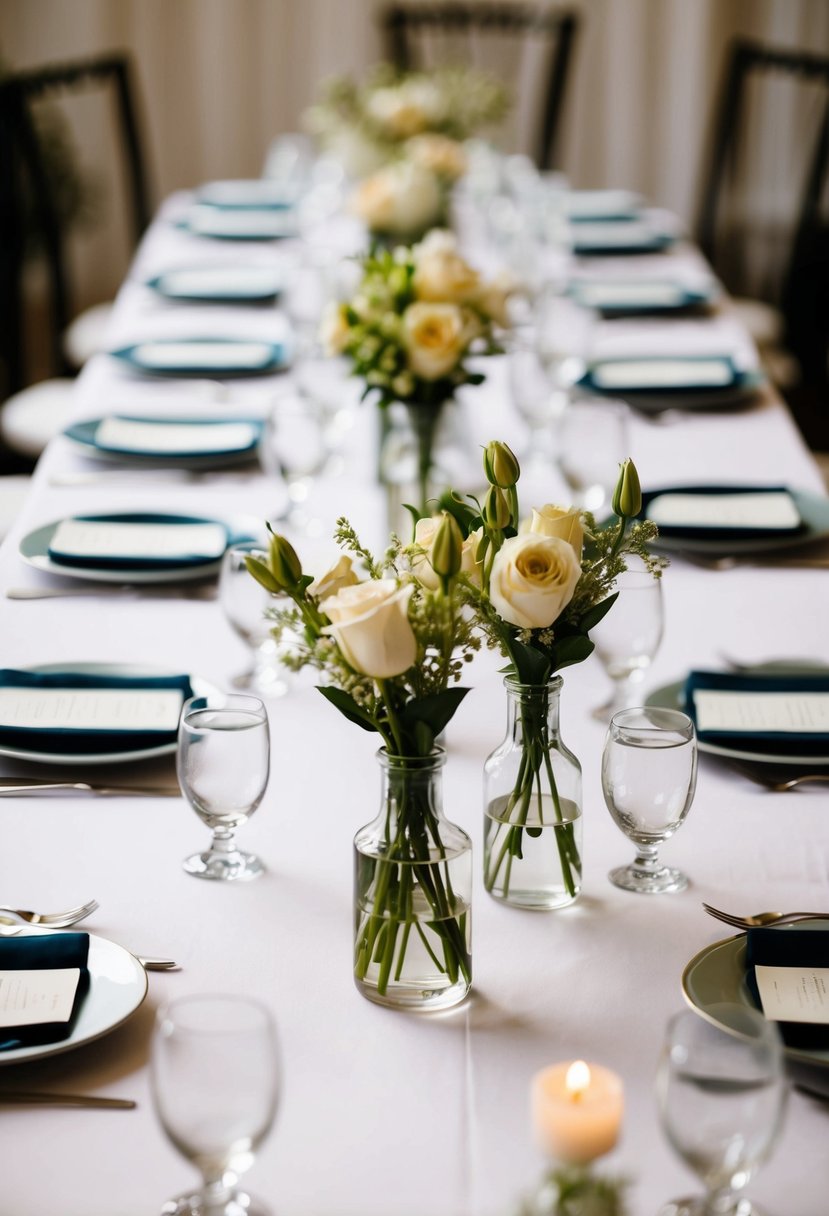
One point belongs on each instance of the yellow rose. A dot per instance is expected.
(435, 338)
(340, 575)
(564, 522)
(533, 579)
(370, 624)
(334, 329)
(441, 274)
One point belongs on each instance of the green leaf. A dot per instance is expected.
(531, 666)
(348, 707)
(435, 711)
(424, 738)
(598, 612)
(567, 651)
(463, 515)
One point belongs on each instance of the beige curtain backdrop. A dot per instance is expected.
(219, 78)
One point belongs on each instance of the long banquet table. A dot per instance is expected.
(383, 1112)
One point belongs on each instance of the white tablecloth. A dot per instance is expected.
(382, 1112)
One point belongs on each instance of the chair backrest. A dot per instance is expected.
(26, 191)
(764, 191)
(528, 47)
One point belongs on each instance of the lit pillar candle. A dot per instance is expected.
(577, 1110)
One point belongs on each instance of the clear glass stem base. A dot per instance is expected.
(648, 879)
(197, 1203)
(699, 1205)
(223, 862)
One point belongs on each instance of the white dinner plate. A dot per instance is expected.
(85, 435)
(241, 224)
(200, 688)
(117, 987)
(219, 284)
(34, 549)
(244, 194)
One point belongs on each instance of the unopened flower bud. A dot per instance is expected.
(284, 563)
(496, 512)
(627, 497)
(447, 549)
(262, 574)
(500, 465)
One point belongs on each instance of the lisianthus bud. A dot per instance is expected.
(496, 510)
(285, 565)
(500, 465)
(447, 550)
(627, 497)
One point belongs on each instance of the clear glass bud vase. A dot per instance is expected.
(532, 805)
(412, 891)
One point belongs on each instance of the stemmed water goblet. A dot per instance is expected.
(721, 1095)
(244, 602)
(223, 763)
(293, 448)
(629, 636)
(649, 774)
(215, 1079)
(591, 443)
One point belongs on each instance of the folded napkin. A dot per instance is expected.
(783, 714)
(47, 952)
(138, 541)
(790, 521)
(68, 727)
(789, 947)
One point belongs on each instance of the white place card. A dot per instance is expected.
(737, 711)
(628, 293)
(619, 234)
(772, 510)
(124, 709)
(137, 541)
(794, 994)
(32, 998)
(221, 281)
(130, 435)
(171, 355)
(252, 222)
(663, 373)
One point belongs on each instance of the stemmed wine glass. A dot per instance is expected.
(223, 763)
(591, 443)
(215, 1079)
(649, 774)
(721, 1096)
(629, 636)
(293, 448)
(244, 602)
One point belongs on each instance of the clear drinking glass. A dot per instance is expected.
(590, 444)
(244, 602)
(223, 764)
(532, 394)
(721, 1095)
(215, 1078)
(629, 636)
(293, 448)
(649, 774)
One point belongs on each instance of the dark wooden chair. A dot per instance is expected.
(27, 197)
(524, 45)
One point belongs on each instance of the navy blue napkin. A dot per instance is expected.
(789, 947)
(776, 742)
(115, 562)
(76, 742)
(694, 532)
(51, 951)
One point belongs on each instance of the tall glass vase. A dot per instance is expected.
(409, 464)
(532, 805)
(412, 892)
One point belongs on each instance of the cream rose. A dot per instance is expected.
(370, 624)
(334, 329)
(441, 274)
(493, 299)
(401, 199)
(425, 532)
(564, 522)
(439, 153)
(406, 109)
(533, 579)
(435, 337)
(340, 575)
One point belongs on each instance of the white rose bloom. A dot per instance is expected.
(334, 329)
(564, 522)
(340, 575)
(469, 561)
(401, 199)
(425, 531)
(435, 338)
(358, 155)
(442, 275)
(370, 624)
(406, 109)
(439, 153)
(533, 579)
(493, 299)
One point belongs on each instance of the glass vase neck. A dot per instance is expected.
(535, 701)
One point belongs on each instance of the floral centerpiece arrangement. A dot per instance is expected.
(545, 580)
(390, 647)
(417, 314)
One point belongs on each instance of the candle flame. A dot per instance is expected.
(577, 1079)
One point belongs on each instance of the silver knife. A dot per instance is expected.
(123, 591)
(36, 785)
(38, 1098)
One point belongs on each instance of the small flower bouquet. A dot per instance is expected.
(545, 581)
(391, 646)
(417, 315)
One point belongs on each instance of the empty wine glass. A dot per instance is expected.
(293, 448)
(565, 334)
(590, 444)
(244, 602)
(215, 1080)
(532, 394)
(649, 774)
(721, 1096)
(223, 764)
(629, 636)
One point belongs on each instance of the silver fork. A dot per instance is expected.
(49, 920)
(761, 919)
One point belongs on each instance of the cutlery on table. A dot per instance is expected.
(124, 591)
(158, 964)
(48, 920)
(777, 780)
(28, 785)
(762, 919)
(36, 1098)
